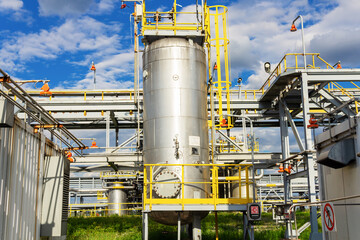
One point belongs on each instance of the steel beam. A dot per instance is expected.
(285, 148)
(308, 157)
(293, 126)
(336, 102)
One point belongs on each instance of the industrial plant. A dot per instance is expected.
(193, 150)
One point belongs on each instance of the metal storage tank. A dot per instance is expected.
(235, 186)
(116, 197)
(175, 119)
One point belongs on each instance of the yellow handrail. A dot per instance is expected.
(151, 20)
(285, 63)
(220, 42)
(211, 199)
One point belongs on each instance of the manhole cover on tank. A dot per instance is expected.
(167, 184)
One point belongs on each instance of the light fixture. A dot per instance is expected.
(239, 80)
(293, 28)
(338, 65)
(267, 67)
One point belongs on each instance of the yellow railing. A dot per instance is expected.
(291, 61)
(345, 92)
(211, 194)
(317, 62)
(157, 20)
(220, 42)
(223, 147)
(101, 195)
(98, 209)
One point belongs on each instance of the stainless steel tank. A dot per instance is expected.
(117, 198)
(175, 119)
(235, 186)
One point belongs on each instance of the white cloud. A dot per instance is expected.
(75, 7)
(108, 71)
(13, 5)
(83, 34)
(337, 35)
(259, 32)
(64, 7)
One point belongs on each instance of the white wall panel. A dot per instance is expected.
(21, 163)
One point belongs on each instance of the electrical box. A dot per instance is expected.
(55, 197)
(254, 212)
(337, 155)
(6, 113)
(139, 11)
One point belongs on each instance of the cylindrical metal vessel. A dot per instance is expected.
(242, 193)
(117, 198)
(175, 119)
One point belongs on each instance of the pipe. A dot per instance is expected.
(257, 177)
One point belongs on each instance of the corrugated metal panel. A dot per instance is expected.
(20, 181)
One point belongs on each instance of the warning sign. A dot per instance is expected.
(328, 217)
(254, 209)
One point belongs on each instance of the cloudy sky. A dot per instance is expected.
(58, 39)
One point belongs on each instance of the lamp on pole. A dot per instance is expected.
(94, 70)
(294, 29)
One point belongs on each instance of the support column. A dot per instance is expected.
(308, 158)
(179, 227)
(216, 227)
(145, 226)
(107, 131)
(285, 150)
(243, 123)
(196, 227)
(245, 223)
(248, 228)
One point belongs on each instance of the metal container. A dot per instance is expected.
(117, 198)
(175, 119)
(242, 193)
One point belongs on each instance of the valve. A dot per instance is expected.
(281, 169)
(288, 169)
(223, 123)
(313, 123)
(69, 156)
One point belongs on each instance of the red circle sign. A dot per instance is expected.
(329, 217)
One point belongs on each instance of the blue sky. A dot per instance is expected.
(57, 40)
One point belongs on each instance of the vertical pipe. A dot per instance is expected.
(302, 37)
(285, 148)
(145, 226)
(179, 227)
(216, 227)
(107, 131)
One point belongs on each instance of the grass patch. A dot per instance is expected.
(129, 228)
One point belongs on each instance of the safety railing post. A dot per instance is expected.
(150, 185)
(247, 184)
(239, 171)
(182, 186)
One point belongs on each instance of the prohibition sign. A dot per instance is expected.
(329, 217)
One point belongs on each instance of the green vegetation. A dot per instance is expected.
(129, 228)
